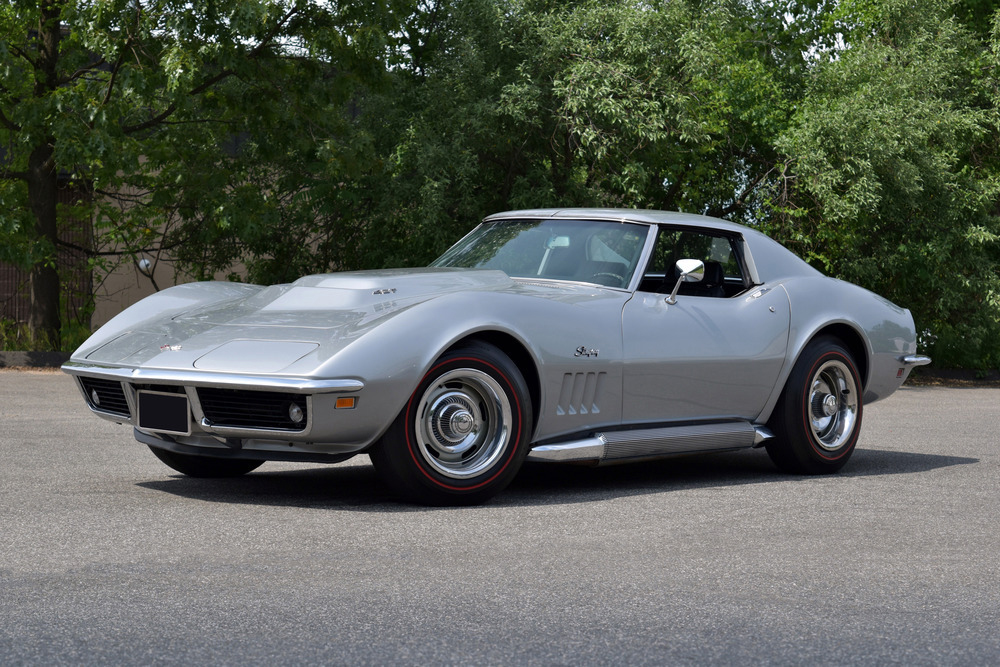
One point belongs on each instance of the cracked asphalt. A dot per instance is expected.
(109, 557)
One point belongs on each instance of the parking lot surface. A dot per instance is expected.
(109, 557)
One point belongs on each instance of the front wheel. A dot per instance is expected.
(463, 434)
(818, 416)
(205, 466)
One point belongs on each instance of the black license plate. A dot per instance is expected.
(163, 412)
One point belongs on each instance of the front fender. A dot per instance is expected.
(393, 357)
(165, 304)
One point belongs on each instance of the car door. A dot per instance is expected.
(715, 353)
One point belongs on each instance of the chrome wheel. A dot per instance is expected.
(464, 432)
(818, 416)
(833, 405)
(462, 423)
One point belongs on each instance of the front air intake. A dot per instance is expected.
(106, 396)
(266, 410)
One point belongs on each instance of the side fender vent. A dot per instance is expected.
(580, 393)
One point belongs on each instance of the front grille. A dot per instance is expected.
(106, 396)
(164, 388)
(252, 409)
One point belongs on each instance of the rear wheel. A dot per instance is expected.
(205, 466)
(818, 417)
(463, 434)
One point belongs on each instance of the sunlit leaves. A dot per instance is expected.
(895, 157)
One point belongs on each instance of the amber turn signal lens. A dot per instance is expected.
(345, 403)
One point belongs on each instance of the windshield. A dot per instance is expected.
(605, 253)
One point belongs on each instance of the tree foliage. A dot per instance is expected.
(150, 107)
(290, 137)
(892, 158)
(861, 134)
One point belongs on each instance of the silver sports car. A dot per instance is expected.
(561, 335)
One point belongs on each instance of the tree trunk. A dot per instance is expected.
(43, 190)
(44, 321)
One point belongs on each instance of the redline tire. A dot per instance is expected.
(818, 416)
(205, 466)
(463, 434)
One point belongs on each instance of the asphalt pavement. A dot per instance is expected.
(109, 557)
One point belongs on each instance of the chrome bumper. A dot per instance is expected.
(203, 379)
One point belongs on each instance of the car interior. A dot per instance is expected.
(723, 274)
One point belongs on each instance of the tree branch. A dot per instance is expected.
(166, 113)
(90, 252)
(114, 72)
(211, 81)
(739, 201)
(8, 123)
(80, 72)
(14, 175)
(21, 54)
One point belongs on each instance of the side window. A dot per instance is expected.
(724, 276)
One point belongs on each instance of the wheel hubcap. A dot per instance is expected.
(462, 423)
(833, 402)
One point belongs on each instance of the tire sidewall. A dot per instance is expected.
(833, 352)
(795, 448)
(398, 458)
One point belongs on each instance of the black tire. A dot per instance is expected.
(205, 466)
(818, 416)
(464, 433)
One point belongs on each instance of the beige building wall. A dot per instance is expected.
(123, 287)
(126, 285)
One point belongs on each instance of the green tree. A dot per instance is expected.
(891, 173)
(512, 104)
(293, 137)
(150, 105)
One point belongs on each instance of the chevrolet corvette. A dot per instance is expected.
(559, 335)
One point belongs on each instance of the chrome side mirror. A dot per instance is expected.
(692, 271)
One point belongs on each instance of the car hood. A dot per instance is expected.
(274, 327)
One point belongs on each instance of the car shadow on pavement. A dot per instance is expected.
(356, 487)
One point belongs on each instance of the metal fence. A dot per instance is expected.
(74, 271)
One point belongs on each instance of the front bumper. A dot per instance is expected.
(208, 379)
(327, 430)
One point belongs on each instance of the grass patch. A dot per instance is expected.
(17, 337)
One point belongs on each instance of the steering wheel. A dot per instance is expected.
(617, 280)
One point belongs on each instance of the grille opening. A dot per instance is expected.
(252, 409)
(106, 396)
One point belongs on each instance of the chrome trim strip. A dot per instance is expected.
(761, 434)
(200, 379)
(654, 442)
(588, 449)
(678, 439)
(915, 360)
(110, 416)
(244, 432)
(542, 281)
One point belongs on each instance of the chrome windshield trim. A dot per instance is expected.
(200, 379)
(545, 282)
(915, 360)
